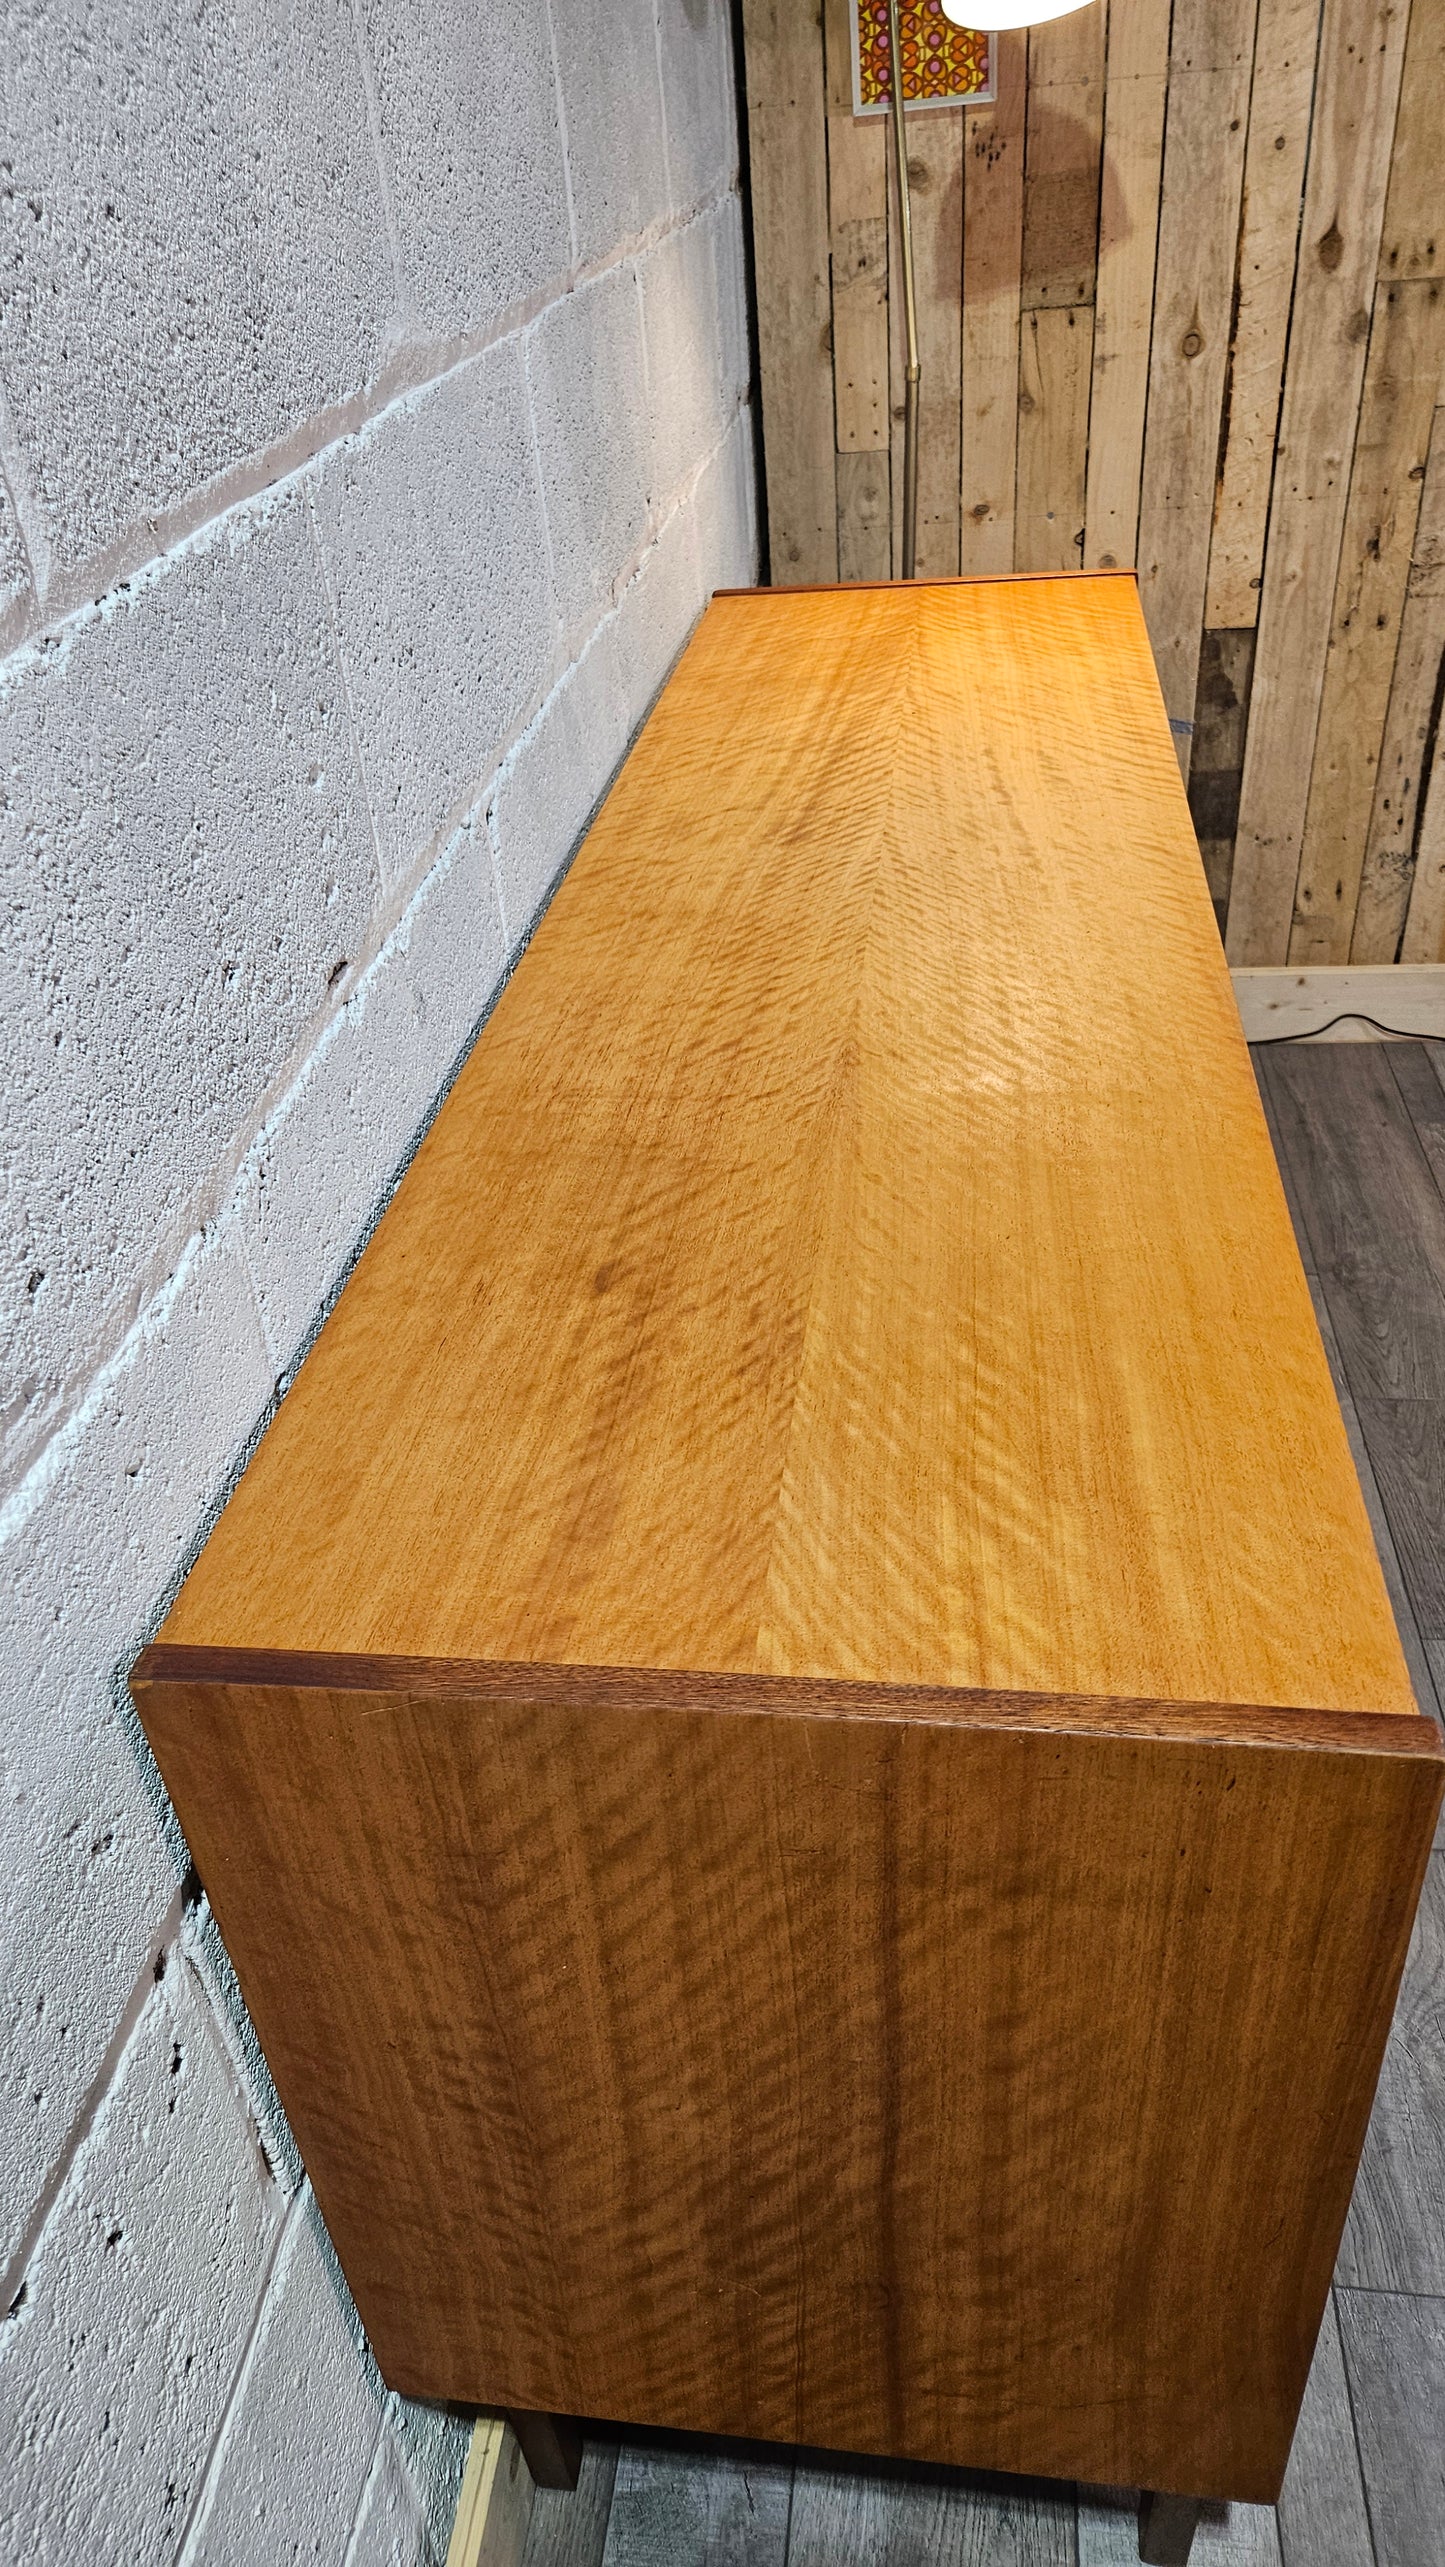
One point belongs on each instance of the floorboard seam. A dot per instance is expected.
(1355, 2429)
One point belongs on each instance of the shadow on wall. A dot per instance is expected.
(1065, 208)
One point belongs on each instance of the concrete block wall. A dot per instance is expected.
(373, 425)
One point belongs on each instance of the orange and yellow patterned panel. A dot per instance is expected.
(943, 65)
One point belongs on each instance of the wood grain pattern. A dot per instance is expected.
(690, 2507)
(1198, 222)
(935, 154)
(1406, 1443)
(1060, 254)
(1418, 1070)
(1384, 1238)
(571, 2530)
(1395, 2236)
(822, 1483)
(1414, 237)
(1402, 904)
(1055, 363)
(1124, 287)
(644, 1689)
(1227, 2536)
(1216, 760)
(787, 124)
(609, 2112)
(1357, 90)
(808, 1624)
(1323, 2520)
(1065, 136)
(1281, 93)
(1322, 2517)
(1424, 938)
(1395, 2358)
(494, 2506)
(1417, 1659)
(864, 515)
(1375, 1217)
(926, 2520)
(858, 251)
(993, 216)
(1402, 374)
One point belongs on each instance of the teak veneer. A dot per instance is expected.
(794, 1729)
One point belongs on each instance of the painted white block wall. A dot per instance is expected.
(373, 383)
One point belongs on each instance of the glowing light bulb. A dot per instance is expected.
(991, 17)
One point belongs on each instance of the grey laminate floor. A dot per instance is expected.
(1360, 1133)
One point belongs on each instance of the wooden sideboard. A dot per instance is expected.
(794, 1730)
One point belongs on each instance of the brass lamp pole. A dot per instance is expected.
(910, 300)
(991, 15)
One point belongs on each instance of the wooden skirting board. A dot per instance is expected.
(494, 2508)
(1342, 1003)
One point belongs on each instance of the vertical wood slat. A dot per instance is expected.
(865, 502)
(1285, 47)
(1062, 159)
(1425, 929)
(1402, 372)
(896, 334)
(1356, 92)
(783, 47)
(1390, 855)
(1226, 664)
(1061, 167)
(993, 214)
(1420, 686)
(1209, 74)
(858, 249)
(1056, 345)
(1138, 75)
(1407, 863)
(858, 264)
(935, 178)
(935, 163)
(1413, 243)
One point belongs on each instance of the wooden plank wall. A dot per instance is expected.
(1182, 304)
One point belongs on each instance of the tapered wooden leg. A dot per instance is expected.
(1167, 2525)
(551, 2446)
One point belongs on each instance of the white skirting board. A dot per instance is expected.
(495, 2504)
(1334, 1002)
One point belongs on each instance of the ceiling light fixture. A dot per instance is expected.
(992, 17)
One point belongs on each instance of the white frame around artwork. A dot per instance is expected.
(984, 97)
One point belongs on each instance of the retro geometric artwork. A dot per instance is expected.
(943, 65)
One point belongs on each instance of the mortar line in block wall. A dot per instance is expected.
(343, 679)
(400, 289)
(158, 1955)
(235, 1173)
(217, 1201)
(25, 507)
(143, 556)
(281, 2248)
(661, 94)
(539, 485)
(558, 95)
(370, 2475)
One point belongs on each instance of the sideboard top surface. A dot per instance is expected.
(853, 1248)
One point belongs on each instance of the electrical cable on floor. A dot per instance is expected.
(1346, 1016)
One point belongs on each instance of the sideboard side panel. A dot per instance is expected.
(981, 2095)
